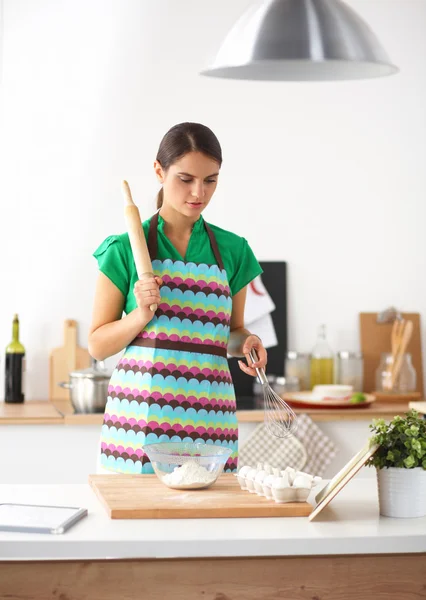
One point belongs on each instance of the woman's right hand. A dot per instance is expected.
(147, 292)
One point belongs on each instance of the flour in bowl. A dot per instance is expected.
(189, 475)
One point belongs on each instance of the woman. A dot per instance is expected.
(173, 381)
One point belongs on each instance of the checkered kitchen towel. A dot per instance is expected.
(319, 448)
(262, 447)
(309, 449)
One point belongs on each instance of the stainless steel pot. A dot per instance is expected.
(88, 388)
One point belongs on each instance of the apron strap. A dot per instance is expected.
(152, 237)
(153, 244)
(214, 246)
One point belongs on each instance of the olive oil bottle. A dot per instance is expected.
(15, 367)
(322, 361)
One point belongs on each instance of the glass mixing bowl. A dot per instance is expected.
(187, 465)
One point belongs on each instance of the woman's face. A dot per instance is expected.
(189, 183)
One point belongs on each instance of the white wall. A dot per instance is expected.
(328, 176)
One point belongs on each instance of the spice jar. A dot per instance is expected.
(298, 364)
(350, 369)
(406, 379)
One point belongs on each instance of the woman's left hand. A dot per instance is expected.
(253, 342)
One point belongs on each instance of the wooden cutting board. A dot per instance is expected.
(376, 338)
(145, 497)
(65, 359)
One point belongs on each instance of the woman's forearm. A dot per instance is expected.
(237, 338)
(111, 338)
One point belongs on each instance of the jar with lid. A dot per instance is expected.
(350, 369)
(298, 364)
(404, 382)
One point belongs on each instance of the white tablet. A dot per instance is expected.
(32, 518)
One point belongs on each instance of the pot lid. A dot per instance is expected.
(96, 371)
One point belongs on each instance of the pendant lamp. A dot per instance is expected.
(300, 40)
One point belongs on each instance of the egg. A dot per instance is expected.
(287, 485)
(260, 476)
(267, 485)
(282, 491)
(310, 477)
(301, 481)
(241, 476)
(244, 470)
(250, 480)
(291, 473)
(281, 482)
(258, 481)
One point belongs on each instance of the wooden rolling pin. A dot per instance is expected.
(137, 238)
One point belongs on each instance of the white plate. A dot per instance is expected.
(308, 399)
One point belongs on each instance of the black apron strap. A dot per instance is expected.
(214, 246)
(152, 237)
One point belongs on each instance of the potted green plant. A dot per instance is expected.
(400, 461)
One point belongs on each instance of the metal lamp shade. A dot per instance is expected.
(300, 40)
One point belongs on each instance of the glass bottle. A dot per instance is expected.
(322, 360)
(14, 367)
(404, 382)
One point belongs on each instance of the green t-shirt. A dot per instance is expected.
(115, 257)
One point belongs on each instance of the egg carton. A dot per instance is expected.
(288, 485)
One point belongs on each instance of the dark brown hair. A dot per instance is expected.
(184, 138)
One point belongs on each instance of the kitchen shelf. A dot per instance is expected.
(43, 412)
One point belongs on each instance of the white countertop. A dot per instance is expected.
(349, 525)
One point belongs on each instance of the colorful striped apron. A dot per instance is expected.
(173, 381)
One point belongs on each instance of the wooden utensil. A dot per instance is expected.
(397, 329)
(403, 340)
(146, 497)
(396, 335)
(65, 359)
(375, 338)
(137, 238)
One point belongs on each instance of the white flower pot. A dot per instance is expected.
(402, 492)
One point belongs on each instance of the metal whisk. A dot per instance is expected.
(280, 419)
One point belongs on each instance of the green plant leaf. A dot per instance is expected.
(402, 441)
(409, 462)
